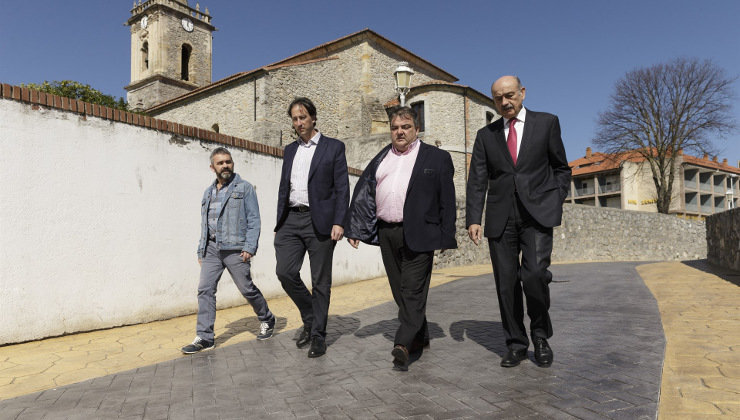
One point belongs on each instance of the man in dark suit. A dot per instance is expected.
(312, 203)
(405, 202)
(520, 161)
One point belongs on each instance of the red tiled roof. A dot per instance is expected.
(601, 162)
(707, 163)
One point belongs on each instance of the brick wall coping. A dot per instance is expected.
(48, 100)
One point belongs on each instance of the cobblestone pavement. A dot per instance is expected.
(608, 347)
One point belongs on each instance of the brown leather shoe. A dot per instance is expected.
(400, 358)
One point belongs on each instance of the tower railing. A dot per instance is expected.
(140, 6)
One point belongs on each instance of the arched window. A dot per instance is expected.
(419, 108)
(185, 67)
(489, 117)
(215, 127)
(145, 56)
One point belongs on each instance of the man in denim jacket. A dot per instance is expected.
(230, 229)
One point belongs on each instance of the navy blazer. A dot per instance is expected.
(429, 211)
(328, 185)
(540, 178)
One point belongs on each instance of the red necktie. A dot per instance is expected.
(511, 140)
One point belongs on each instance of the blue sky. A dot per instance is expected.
(569, 54)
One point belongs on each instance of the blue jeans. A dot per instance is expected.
(211, 269)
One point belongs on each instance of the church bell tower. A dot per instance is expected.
(170, 51)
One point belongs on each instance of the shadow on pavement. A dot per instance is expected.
(488, 334)
(338, 326)
(388, 329)
(248, 323)
(724, 273)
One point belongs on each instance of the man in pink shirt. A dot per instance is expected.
(405, 203)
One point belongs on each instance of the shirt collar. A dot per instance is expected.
(521, 116)
(314, 141)
(409, 150)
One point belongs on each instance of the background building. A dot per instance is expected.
(701, 186)
(351, 81)
(170, 51)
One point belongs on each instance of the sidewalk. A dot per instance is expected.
(45, 364)
(609, 346)
(701, 318)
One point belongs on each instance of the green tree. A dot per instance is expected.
(660, 110)
(77, 90)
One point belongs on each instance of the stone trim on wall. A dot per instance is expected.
(723, 239)
(38, 99)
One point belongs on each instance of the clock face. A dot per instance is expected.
(144, 22)
(187, 24)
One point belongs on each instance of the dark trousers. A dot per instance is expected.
(524, 235)
(292, 240)
(409, 274)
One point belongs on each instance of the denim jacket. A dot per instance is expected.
(239, 221)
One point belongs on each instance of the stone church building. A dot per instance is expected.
(350, 79)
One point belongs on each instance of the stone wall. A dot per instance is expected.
(232, 108)
(602, 234)
(723, 239)
(342, 87)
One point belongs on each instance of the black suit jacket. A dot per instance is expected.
(541, 176)
(328, 185)
(429, 211)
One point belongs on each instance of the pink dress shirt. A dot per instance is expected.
(393, 176)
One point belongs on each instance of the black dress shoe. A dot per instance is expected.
(318, 347)
(304, 338)
(542, 352)
(400, 358)
(513, 357)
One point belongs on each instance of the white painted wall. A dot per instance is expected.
(99, 224)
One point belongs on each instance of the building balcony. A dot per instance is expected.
(609, 188)
(580, 192)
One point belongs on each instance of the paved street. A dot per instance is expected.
(609, 346)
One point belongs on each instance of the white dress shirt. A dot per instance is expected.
(518, 126)
(300, 169)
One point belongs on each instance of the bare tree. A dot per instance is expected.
(659, 110)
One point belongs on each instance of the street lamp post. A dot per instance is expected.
(403, 75)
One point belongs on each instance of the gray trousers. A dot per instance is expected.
(211, 268)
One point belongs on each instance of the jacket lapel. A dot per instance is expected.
(419, 164)
(529, 126)
(288, 156)
(317, 155)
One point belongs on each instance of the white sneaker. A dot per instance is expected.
(266, 329)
